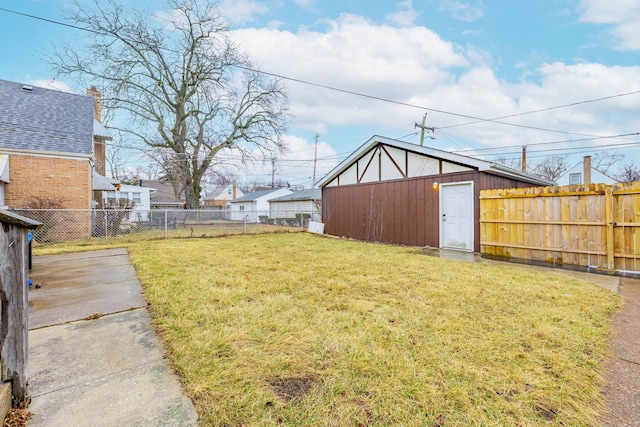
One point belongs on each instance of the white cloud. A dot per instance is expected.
(243, 11)
(404, 16)
(354, 54)
(305, 4)
(621, 17)
(414, 65)
(464, 11)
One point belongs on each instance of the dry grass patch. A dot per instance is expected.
(295, 329)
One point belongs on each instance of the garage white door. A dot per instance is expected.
(456, 216)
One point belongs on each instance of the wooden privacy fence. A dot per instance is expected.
(594, 225)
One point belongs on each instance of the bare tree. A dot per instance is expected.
(179, 81)
(602, 161)
(510, 162)
(551, 168)
(629, 172)
(168, 168)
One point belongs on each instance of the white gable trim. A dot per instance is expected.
(379, 144)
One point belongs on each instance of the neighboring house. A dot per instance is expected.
(47, 136)
(253, 205)
(220, 197)
(583, 173)
(397, 192)
(141, 196)
(305, 201)
(162, 195)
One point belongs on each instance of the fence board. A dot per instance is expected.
(14, 311)
(593, 225)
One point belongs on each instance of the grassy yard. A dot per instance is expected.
(300, 330)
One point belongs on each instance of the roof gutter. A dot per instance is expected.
(525, 176)
(54, 154)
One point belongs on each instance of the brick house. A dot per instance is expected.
(46, 137)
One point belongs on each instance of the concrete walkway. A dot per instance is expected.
(623, 370)
(94, 358)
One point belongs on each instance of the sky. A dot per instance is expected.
(561, 77)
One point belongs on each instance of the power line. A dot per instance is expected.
(506, 147)
(573, 104)
(50, 21)
(373, 97)
(551, 150)
(406, 104)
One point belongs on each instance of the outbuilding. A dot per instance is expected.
(252, 206)
(397, 192)
(305, 202)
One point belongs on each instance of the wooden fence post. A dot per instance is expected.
(608, 213)
(14, 328)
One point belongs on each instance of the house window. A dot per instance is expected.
(136, 197)
(241, 208)
(229, 191)
(575, 178)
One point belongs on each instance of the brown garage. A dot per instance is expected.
(396, 192)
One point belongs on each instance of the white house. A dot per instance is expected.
(141, 196)
(583, 173)
(253, 205)
(301, 202)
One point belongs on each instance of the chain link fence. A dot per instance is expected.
(69, 225)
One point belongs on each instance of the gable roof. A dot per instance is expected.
(102, 183)
(163, 195)
(35, 119)
(480, 165)
(213, 194)
(100, 131)
(597, 177)
(253, 196)
(303, 195)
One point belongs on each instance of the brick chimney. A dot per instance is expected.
(97, 96)
(234, 190)
(587, 170)
(99, 143)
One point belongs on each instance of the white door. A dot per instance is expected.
(456, 216)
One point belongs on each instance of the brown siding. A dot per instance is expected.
(402, 211)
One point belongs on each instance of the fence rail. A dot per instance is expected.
(593, 225)
(65, 225)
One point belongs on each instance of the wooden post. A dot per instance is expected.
(14, 299)
(608, 213)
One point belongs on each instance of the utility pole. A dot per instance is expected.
(273, 172)
(315, 159)
(423, 128)
(524, 158)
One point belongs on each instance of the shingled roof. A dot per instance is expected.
(35, 119)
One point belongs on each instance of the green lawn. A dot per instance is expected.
(300, 330)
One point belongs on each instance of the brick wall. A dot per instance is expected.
(67, 180)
